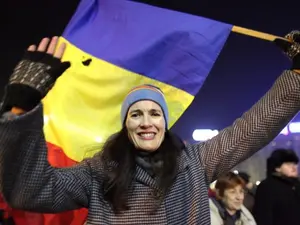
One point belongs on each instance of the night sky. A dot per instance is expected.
(244, 71)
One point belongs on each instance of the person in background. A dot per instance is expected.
(249, 195)
(227, 208)
(277, 198)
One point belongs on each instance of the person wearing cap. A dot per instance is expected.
(144, 174)
(250, 192)
(277, 199)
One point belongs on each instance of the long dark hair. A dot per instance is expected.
(118, 160)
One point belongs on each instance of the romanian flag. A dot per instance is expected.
(114, 45)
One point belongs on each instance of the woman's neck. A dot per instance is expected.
(231, 211)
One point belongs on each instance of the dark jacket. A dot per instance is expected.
(277, 201)
(249, 200)
(28, 182)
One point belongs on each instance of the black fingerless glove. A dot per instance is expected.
(291, 48)
(31, 80)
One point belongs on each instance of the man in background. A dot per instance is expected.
(249, 195)
(277, 199)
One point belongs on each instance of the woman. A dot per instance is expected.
(227, 208)
(143, 174)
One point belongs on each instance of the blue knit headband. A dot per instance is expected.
(145, 92)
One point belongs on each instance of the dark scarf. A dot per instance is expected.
(151, 162)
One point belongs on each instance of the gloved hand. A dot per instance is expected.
(291, 48)
(34, 75)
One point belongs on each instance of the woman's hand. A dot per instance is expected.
(291, 48)
(35, 75)
(44, 46)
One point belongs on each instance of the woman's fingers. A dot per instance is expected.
(60, 51)
(50, 46)
(31, 48)
(43, 45)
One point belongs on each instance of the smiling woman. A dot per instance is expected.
(227, 206)
(146, 125)
(144, 140)
(146, 117)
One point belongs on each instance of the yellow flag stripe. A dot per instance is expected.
(83, 108)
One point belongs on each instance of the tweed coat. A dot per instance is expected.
(28, 182)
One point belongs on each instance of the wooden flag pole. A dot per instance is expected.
(254, 33)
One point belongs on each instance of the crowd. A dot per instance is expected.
(235, 200)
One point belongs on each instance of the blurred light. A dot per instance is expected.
(285, 131)
(204, 134)
(236, 172)
(294, 127)
(213, 184)
(46, 119)
(257, 182)
(98, 139)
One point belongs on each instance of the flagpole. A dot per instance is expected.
(256, 34)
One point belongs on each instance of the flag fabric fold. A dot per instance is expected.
(114, 45)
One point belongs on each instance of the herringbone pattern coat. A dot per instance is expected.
(28, 182)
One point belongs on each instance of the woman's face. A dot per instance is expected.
(233, 198)
(146, 125)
